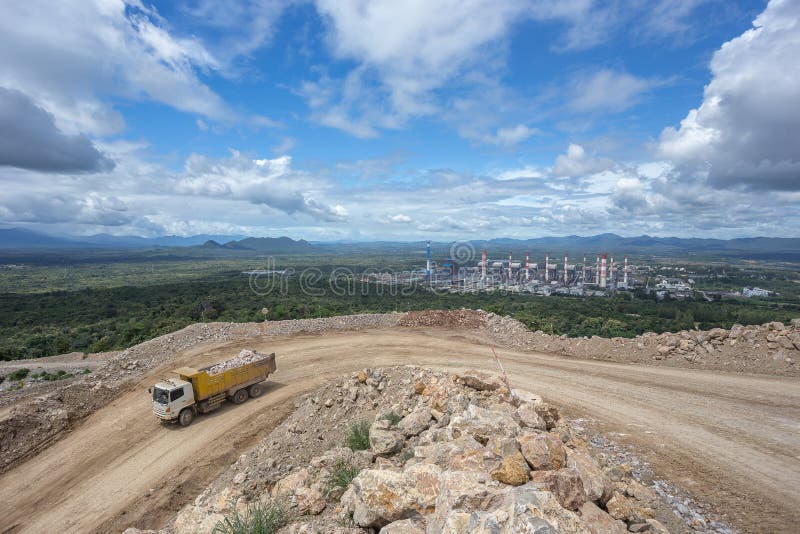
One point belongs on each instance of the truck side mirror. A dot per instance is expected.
(150, 390)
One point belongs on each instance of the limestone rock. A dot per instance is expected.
(480, 380)
(542, 451)
(415, 422)
(565, 484)
(379, 497)
(483, 424)
(529, 417)
(463, 491)
(548, 412)
(599, 522)
(442, 453)
(512, 471)
(385, 442)
(596, 484)
(289, 485)
(521, 396)
(310, 500)
(404, 526)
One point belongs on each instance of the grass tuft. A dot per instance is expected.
(260, 518)
(19, 374)
(342, 473)
(358, 436)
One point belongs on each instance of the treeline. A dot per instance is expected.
(93, 320)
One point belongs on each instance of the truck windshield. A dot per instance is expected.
(161, 396)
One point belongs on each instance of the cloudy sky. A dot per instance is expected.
(440, 119)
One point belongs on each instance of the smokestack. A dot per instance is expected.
(584, 269)
(527, 266)
(603, 271)
(566, 262)
(625, 272)
(611, 271)
(428, 260)
(597, 270)
(483, 265)
(509, 265)
(547, 267)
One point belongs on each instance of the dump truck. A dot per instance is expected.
(199, 391)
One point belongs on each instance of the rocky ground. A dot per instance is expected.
(36, 414)
(446, 453)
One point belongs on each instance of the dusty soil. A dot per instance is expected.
(730, 439)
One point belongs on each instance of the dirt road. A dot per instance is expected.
(733, 440)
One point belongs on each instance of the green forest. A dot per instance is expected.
(107, 318)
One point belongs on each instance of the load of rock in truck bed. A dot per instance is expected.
(243, 358)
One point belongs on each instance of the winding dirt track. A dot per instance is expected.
(732, 440)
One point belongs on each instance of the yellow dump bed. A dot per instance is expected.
(206, 385)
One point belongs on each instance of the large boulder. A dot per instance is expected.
(547, 412)
(529, 417)
(596, 484)
(565, 484)
(628, 509)
(464, 491)
(480, 380)
(483, 424)
(448, 454)
(542, 451)
(415, 422)
(385, 442)
(512, 471)
(378, 497)
(288, 485)
(599, 522)
(310, 500)
(521, 396)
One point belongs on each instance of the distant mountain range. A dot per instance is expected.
(19, 238)
(752, 247)
(22, 239)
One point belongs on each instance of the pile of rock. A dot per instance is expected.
(243, 358)
(444, 319)
(772, 348)
(447, 453)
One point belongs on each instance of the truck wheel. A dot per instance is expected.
(240, 396)
(186, 417)
(255, 390)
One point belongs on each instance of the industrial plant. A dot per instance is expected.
(598, 276)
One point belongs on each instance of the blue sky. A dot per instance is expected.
(401, 120)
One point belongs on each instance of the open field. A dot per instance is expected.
(730, 439)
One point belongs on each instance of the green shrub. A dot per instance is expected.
(358, 436)
(260, 518)
(50, 377)
(342, 473)
(393, 418)
(19, 374)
